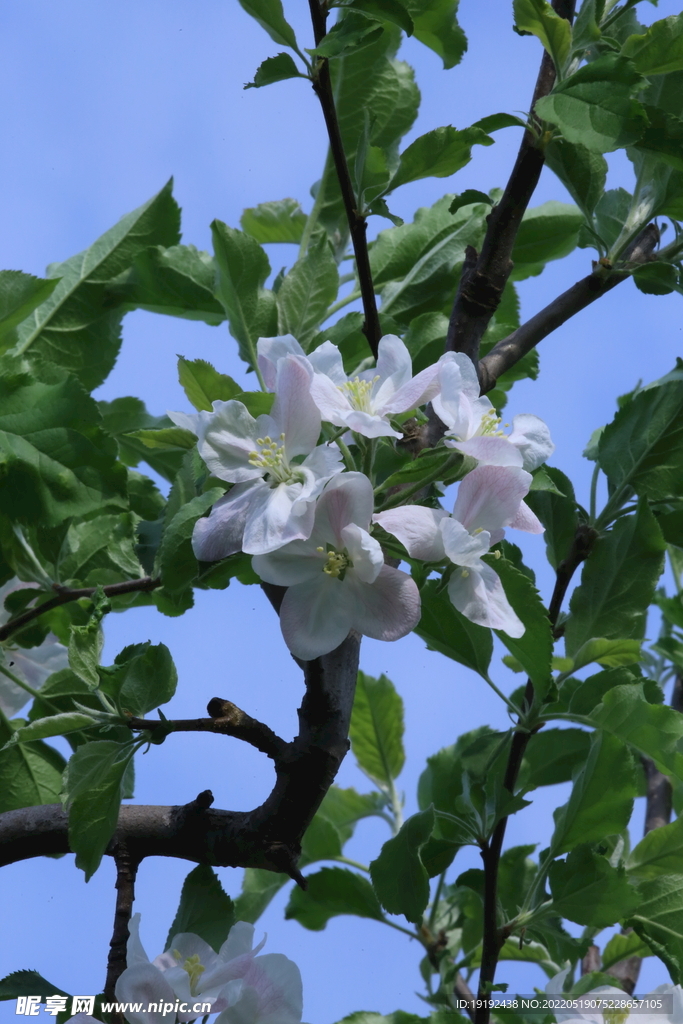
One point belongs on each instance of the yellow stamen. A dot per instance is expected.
(337, 563)
(359, 392)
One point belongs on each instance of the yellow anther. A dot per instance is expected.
(272, 458)
(496, 554)
(195, 968)
(359, 392)
(464, 574)
(320, 548)
(336, 564)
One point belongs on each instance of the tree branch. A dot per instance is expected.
(322, 85)
(126, 870)
(485, 275)
(66, 595)
(510, 350)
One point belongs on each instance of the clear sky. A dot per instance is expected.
(101, 104)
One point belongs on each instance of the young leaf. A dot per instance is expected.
(659, 853)
(553, 756)
(438, 154)
(538, 18)
(204, 909)
(558, 515)
(659, 920)
(270, 16)
(656, 730)
(204, 385)
(398, 874)
(166, 439)
(280, 221)
(376, 730)
(93, 549)
(274, 69)
(142, 677)
(534, 648)
(330, 892)
(348, 35)
(435, 25)
(19, 295)
(660, 50)
(307, 292)
(85, 648)
(55, 725)
(611, 653)
(586, 889)
(177, 563)
(593, 107)
(444, 629)
(30, 773)
(582, 172)
(621, 947)
(383, 10)
(121, 418)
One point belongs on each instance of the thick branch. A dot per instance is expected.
(126, 870)
(66, 595)
(322, 84)
(484, 276)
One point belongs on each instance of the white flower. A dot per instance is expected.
(272, 502)
(247, 988)
(364, 403)
(489, 499)
(473, 424)
(32, 664)
(556, 985)
(337, 578)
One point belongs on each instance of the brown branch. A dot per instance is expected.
(485, 275)
(66, 595)
(226, 720)
(126, 870)
(322, 85)
(510, 350)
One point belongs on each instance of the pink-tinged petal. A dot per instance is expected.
(270, 351)
(273, 521)
(239, 941)
(489, 497)
(489, 451)
(526, 520)
(394, 366)
(271, 993)
(326, 359)
(316, 616)
(386, 609)
(331, 402)
(348, 498)
(144, 984)
(226, 438)
(364, 551)
(294, 563)
(464, 548)
(417, 528)
(221, 533)
(532, 436)
(294, 410)
(422, 388)
(479, 596)
(368, 424)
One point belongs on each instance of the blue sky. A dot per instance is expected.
(102, 103)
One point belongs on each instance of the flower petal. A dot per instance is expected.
(348, 498)
(135, 951)
(226, 438)
(532, 436)
(273, 521)
(316, 615)
(489, 497)
(331, 402)
(295, 563)
(294, 410)
(422, 388)
(326, 359)
(386, 609)
(364, 551)
(464, 548)
(479, 596)
(144, 984)
(269, 352)
(489, 451)
(394, 367)
(526, 520)
(220, 534)
(368, 424)
(417, 528)
(240, 937)
(458, 404)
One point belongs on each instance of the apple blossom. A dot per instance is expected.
(362, 403)
(610, 992)
(473, 424)
(337, 580)
(272, 500)
(32, 664)
(243, 987)
(489, 499)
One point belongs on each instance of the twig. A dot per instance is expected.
(227, 720)
(485, 275)
(126, 870)
(510, 350)
(322, 85)
(66, 595)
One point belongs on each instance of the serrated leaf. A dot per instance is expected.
(165, 439)
(538, 18)
(586, 889)
(19, 295)
(654, 729)
(469, 196)
(553, 756)
(348, 35)
(270, 16)
(534, 648)
(438, 154)
(436, 26)
(121, 418)
(142, 677)
(204, 909)
(258, 889)
(28, 983)
(621, 947)
(383, 10)
(611, 653)
(30, 774)
(398, 874)
(660, 49)
(659, 853)
(582, 172)
(444, 629)
(307, 291)
(558, 515)
(175, 281)
(547, 232)
(280, 221)
(330, 892)
(659, 920)
(55, 725)
(376, 730)
(204, 385)
(85, 649)
(274, 69)
(176, 560)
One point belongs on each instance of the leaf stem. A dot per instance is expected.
(594, 492)
(352, 863)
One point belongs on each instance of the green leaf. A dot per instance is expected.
(121, 418)
(204, 385)
(586, 889)
(85, 649)
(166, 439)
(443, 465)
(398, 874)
(330, 892)
(558, 515)
(307, 291)
(659, 853)
(55, 725)
(376, 730)
(177, 563)
(175, 281)
(444, 629)
(270, 16)
(547, 232)
(653, 729)
(75, 328)
(582, 172)
(581, 697)
(204, 909)
(280, 221)
(618, 582)
(534, 649)
(30, 773)
(28, 983)
(344, 807)
(436, 26)
(55, 459)
(274, 69)
(242, 268)
(142, 677)
(611, 653)
(593, 107)
(621, 947)
(258, 889)
(92, 549)
(538, 18)
(643, 445)
(611, 213)
(348, 35)
(659, 921)
(19, 295)
(660, 49)
(425, 339)
(601, 799)
(383, 10)
(321, 841)
(438, 154)
(469, 196)
(553, 756)
(93, 784)
(656, 278)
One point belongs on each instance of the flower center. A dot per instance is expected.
(359, 392)
(489, 424)
(337, 562)
(194, 967)
(272, 458)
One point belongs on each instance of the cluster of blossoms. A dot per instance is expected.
(307, 518)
